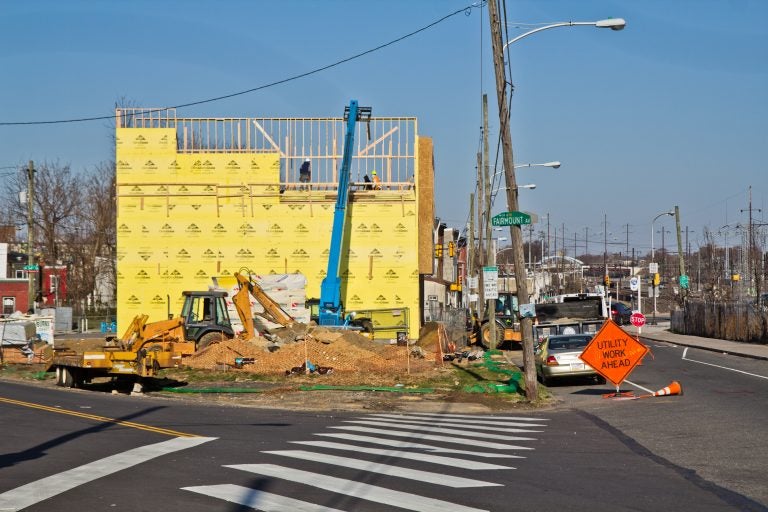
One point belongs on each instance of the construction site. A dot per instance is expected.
(267, 245)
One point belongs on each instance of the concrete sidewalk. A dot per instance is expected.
(660, 332)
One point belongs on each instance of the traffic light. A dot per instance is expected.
(451, 249)
(656, 279)
(607, 280)
(439, 251)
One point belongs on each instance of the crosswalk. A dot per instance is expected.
(381, 450)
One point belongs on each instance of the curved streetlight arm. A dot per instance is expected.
(613, 24)
(671, 212)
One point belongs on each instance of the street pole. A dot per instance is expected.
(491, 306)
(516, 239)
(471, 267)
(680, 259)
(30, 237)
(480, 238)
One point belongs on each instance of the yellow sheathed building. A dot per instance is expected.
(204, 198)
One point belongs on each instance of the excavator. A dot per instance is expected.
(147, 347)
(272, 310)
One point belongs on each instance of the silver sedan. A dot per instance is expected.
(558, 357)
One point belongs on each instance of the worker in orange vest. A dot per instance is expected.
(376, 181)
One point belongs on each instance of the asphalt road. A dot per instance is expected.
(70, 450)
(714, 433)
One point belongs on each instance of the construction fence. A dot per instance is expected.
(742, 321)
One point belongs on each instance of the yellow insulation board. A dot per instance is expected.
(184, 218)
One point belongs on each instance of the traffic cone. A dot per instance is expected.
(673, 389)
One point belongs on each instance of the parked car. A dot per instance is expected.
(558, 357)
(620, 313)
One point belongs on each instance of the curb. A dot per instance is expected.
(708, 348)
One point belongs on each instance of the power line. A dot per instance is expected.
(467, 10)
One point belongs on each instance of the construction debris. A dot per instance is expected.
(339, 350)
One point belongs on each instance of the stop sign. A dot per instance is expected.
(637, 319)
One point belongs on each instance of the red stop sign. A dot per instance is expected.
(637, 319)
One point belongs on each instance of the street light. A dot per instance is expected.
(554, 165)
(531, 388)
(653, 258)
(612, 23)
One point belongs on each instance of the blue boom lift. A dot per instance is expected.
(331, 311)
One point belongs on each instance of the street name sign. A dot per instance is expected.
(511, 219)
(613, 353)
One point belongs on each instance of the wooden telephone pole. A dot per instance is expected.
(516, 234)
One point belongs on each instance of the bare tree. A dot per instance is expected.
(91, 253)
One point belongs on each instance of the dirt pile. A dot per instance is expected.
(343, 351)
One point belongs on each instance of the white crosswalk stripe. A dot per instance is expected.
(403, 454)
(420, 438)
(440, 416)
(444, 439)
(421, 446)
(361, 490)
(438, 428)
(459, 422)
(45, 488)
(258, 500)
(384, 469)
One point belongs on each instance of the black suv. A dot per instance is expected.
(620, 313)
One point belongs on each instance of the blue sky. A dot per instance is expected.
(670, 111)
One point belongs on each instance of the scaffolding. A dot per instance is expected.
(386, 145)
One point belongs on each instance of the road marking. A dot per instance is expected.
(722, 367)
(385, 469)
(464, 425)
(638, 386)
(35, 492)
(444, 439)
(437, 430)
(402, 454)
(476, 422)
(355, 489)
(257, 499)
(394, 443)
(101, 419)
(475, 417)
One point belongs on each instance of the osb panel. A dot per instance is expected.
(426, 200)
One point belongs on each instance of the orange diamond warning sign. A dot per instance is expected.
(613, 353)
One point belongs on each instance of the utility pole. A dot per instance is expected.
(680, 255)
(627, 238)
(754, 275)
(586, 240)
(480, 252)
(548, 234)
(471, 240)
(515, 231)
(31, 275)
(605, 252)
(489, 258)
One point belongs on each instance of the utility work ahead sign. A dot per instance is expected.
(613, 353)
(511, 219)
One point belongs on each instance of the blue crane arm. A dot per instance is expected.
(330, 288)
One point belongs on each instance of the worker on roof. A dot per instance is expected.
(376, 181)
(305, 173)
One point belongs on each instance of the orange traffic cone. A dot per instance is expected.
(673, 389)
